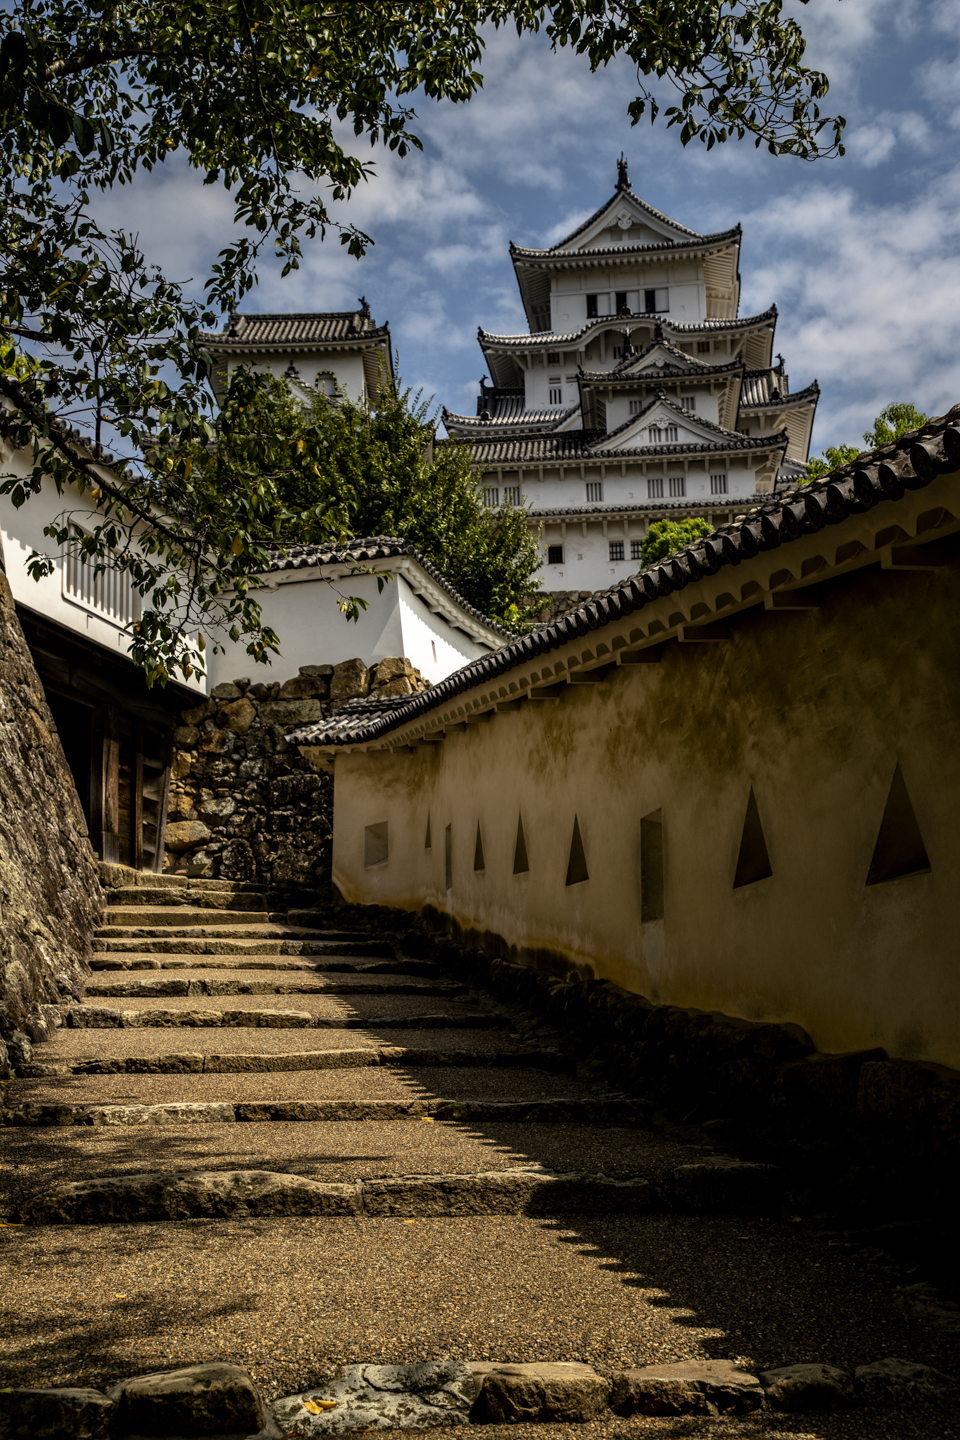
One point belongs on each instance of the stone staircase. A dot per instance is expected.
(178, 964)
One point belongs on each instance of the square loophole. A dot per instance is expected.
(376, 845)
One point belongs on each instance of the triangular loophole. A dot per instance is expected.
(753, 862)
(899, 849)
(478, 851)
(577, 864)
(427, 844)
(520, 862)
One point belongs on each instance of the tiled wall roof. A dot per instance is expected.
(315, 329)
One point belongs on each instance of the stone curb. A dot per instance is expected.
(242, 1063)
(145, 989)
(538, 1112)
(425, 969)
(206, 1398)
(102, 1017)
(193, 944)
(219, 1194)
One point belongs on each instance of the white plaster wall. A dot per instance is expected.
(435, 647)
(347, 365)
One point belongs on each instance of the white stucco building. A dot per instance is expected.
(638, 392)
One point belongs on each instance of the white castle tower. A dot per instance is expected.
(638, 393)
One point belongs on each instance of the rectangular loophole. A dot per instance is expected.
(376, 845)
(448, 857)
(651, 867)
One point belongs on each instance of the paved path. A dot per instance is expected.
(219, 1038)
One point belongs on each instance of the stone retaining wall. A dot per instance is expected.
(244, 805)
(50, 896)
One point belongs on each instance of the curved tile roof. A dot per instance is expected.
(518, 420)
(757, 392)
(778, 521)
(644, 205)
(375, 547)
(543, 338)
(320, 328)
(623, 252)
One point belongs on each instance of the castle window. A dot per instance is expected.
(671, 434)
(592, 307)
(655, 434)
(491, 497)
(616, 549)
(554, 554)
(621, 298)
(511, 494)
(553, 357)
(703, 347)
(654, 489)
(688, 402)
(327, 384)
(571, 379)
(655, 300)
(678, 485)
(636, 549)
(594, 490)
(635, 407)
(718, 484)
(111, 594)
(556, 395)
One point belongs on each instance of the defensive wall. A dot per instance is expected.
(729, 785)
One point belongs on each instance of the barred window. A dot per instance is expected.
(636, 549)
(654, 489)
(671, 434)
(554, 554)
(111, 594)
(491, 497)
(688, 402)
(594, 490)
(703, 347)
(636, 406)
(553, 357)
(718, 484)
(556, 392)
(678, 485)
(511, 494)
(616, 549)
(655, 434)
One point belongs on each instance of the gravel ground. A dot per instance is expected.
(347, 1006)
(328, 1150)
(370, 1082)
(927, 1423)
(255, 1040)
(290, 1299)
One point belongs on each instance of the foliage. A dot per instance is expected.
(666, 536)
(382, 474)
(893, 421)
(249, 93)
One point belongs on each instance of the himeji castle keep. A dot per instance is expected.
(639, 392)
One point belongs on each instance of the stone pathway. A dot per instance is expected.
(265, 1142)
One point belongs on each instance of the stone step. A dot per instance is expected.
(126, 917)
(244, 944)
(142, 897)
(243, 1062)
(425, 969)
(617, 1111)
(254, 927)
(90, 1017)
(721, 1186)
(197, 985)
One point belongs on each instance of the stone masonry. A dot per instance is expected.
(49, 891)
(244, 805)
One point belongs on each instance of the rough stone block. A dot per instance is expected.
(238, 715)
(691, 1387)
(383, 1397)
(291, 712)
(186, 835)
(185, 737)
(349, 680)
(400, 686)
(325, 670)
(305, 687)
(826, 1084)
(209, 1399)
(64, 1414)
(186, 1112)
(724, 1185)
(564, 1391)
(226, 691)
(197, 1195)
(899, 1382)
(392, 668)
(807, 1387)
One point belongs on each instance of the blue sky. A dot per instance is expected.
(859, 253)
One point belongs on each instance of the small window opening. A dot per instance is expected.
(594, 490)
(553, 357)
(678, 485)
(433, 650)
(616, 549)
(520, 862)
(688, 402)
(428, 842)
(899, 849)
(478, 863)
(636, 549)
(753, 862)
(511, 494)
(577, 863)
(554, 554)
(635, 406)
(556, 395)
(703, 347)
(718, 484)
(592, 307)
(651, 867)
(621, 299)
(376, 846)
(649, 301)
(654, 489)
(491, 497)
(448, 858)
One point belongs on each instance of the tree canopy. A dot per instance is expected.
(250, 93)
(382, 473)
(893, 421)
(666, 536)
